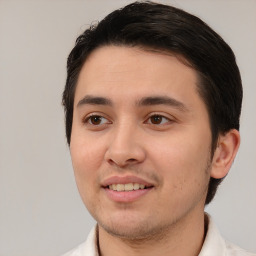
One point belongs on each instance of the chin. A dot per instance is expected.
(130, 232)
(131, 228)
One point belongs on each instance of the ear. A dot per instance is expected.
(225, 153)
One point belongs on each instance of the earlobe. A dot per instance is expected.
(225, 153)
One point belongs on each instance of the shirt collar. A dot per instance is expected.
(213, 244)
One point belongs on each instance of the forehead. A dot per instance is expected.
(133, 72)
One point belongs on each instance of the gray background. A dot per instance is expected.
(40, 210)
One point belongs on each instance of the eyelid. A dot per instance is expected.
(169, 118)
(88, 116)
(165, 115)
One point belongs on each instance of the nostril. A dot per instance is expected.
(131, 160)
(111, 161)
(121, 163)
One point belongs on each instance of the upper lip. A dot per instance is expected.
(125, 180)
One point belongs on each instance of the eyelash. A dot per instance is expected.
(88, 120)
(161, 118)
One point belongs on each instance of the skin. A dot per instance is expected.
(170, 151)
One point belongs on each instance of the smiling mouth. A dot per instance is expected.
(127, 187)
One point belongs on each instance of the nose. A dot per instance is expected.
(125, 147)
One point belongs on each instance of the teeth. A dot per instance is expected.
(120, 187)
(126, 187)
(136, 186)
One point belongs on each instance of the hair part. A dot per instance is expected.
(163, 28)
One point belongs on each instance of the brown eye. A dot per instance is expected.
(156, 119)
(96, 120)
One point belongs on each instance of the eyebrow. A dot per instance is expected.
(145, 101)
(162, 100)
(93, 100)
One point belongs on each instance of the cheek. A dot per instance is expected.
(87, 157)
(180, 150)
(182, 162)
(184, 176)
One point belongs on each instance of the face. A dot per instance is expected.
(140, 142)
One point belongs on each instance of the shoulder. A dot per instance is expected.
(76, 251)
(234, 250)
(215, 244)
(88, 248)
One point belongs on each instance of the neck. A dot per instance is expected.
(184, 238)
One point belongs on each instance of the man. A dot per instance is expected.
(152, 102)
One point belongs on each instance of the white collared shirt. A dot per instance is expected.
(214, 245)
